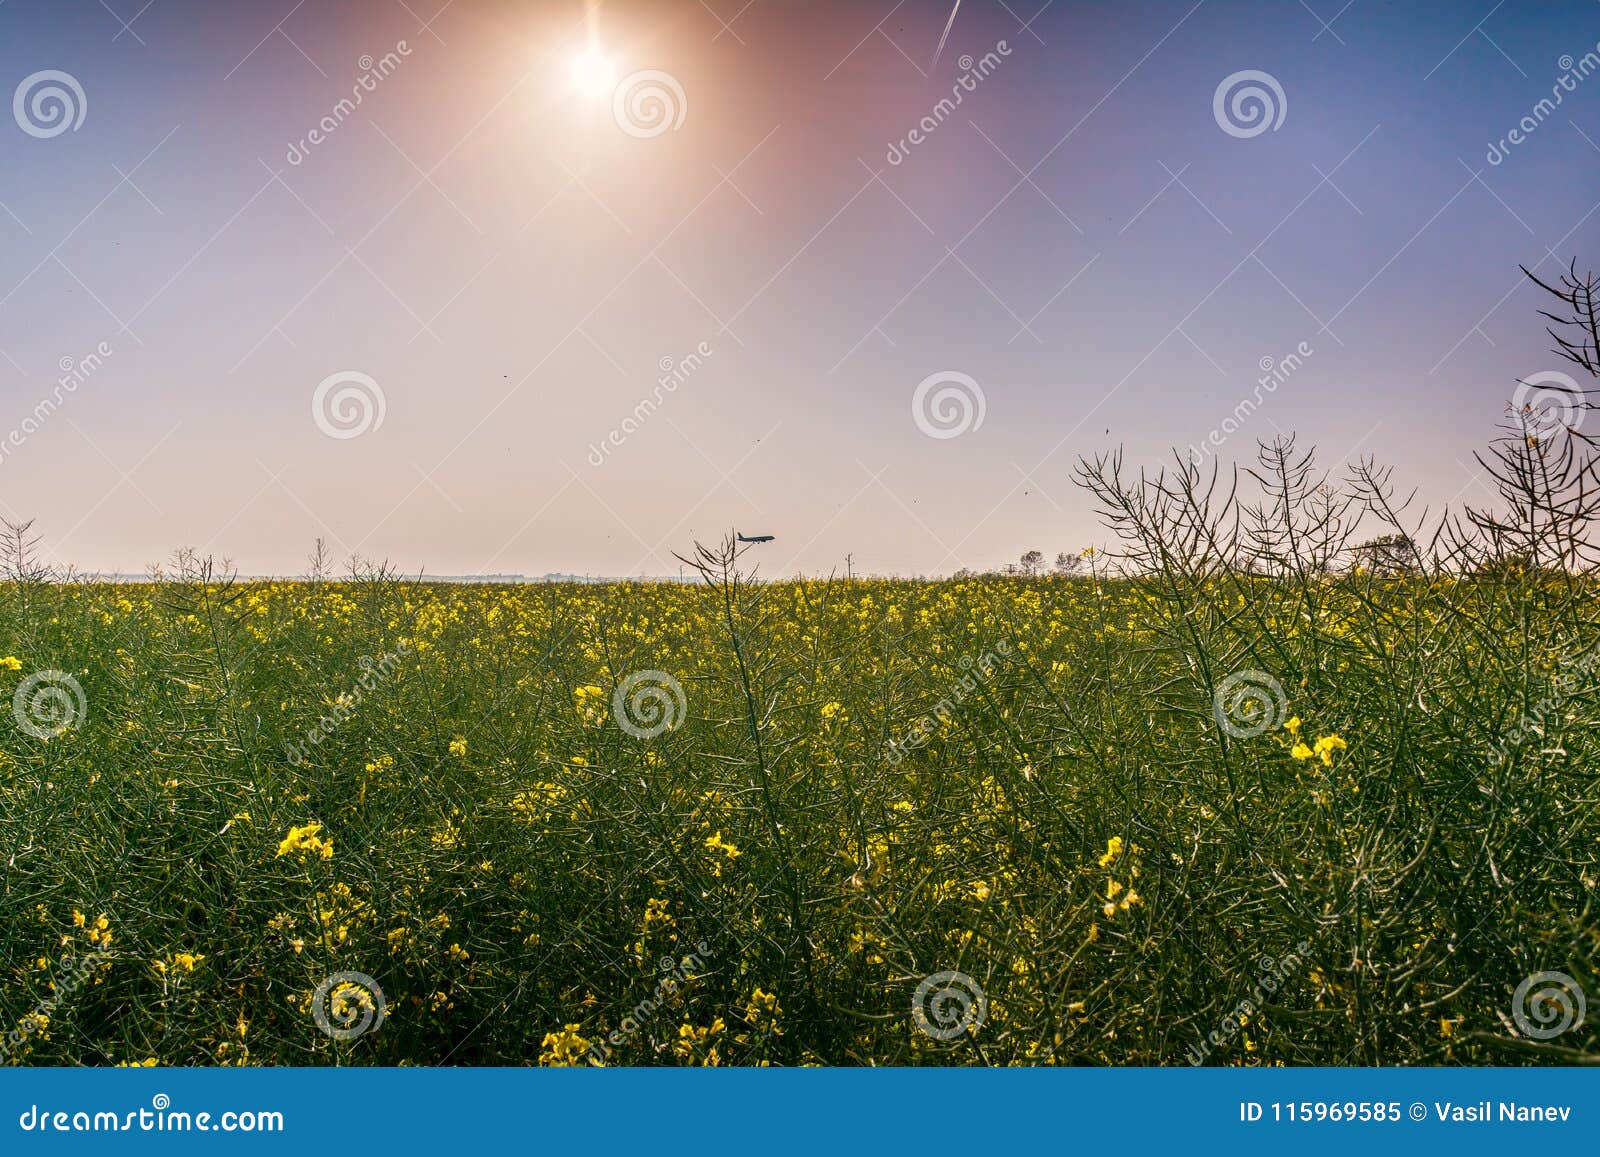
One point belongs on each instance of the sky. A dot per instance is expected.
(894, 291)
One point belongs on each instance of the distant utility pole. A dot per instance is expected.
(849, 568)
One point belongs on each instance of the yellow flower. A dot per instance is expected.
(1301, 751)
(1326, 746)
(1293, 726)
(458, 747)
(692, 1040)
(563, 1049)
(305, 839)
(11, 663)
(715, 843)
(763, 1010)
(1113, 850)
(346, 999)
(655, 913)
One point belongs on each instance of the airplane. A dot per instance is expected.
(740, 535)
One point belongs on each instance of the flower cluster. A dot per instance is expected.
(305, 842)
(1119, 897)
(1323, 749)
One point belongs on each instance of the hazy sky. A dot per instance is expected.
(509, 253)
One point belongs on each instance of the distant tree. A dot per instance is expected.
(1387, 556)
(1068, 564)
(1032, 562)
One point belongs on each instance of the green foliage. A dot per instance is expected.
(1025, 781)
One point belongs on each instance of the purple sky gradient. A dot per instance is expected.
(1080, 237)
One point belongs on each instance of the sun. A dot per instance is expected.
(593, 73)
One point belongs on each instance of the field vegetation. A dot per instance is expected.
(1286, 774)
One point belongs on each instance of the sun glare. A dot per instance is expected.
(593, 73)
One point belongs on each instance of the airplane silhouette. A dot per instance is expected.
(754, 537)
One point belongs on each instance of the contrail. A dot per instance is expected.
(946, 35)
